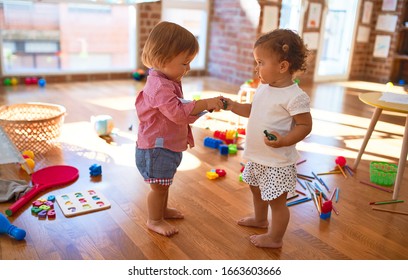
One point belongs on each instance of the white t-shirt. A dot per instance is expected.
(273, 109)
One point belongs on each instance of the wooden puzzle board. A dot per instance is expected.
(82, 202)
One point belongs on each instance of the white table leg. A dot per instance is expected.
(401, 162)
(370, 129)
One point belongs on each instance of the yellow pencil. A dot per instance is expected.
(330, 172)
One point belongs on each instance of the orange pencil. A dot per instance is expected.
(342, 171)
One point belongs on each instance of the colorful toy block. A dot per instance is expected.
(220, 172)
(95, 170)
(232, 149)
(43, 208)
(212, 142)
(212, 175)
(223, 149)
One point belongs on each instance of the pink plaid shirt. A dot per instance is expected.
(164, 119)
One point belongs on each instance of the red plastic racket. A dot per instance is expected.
(43, 179)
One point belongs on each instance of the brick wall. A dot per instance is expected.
(149, 16)
(231, 37)
(364, 65)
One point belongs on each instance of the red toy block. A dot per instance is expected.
(51, 214)
(37, 203)
(220, 172)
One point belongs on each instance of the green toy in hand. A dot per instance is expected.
(270, 136)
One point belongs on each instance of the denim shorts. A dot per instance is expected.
(158, 165)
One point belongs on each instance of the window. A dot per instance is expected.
(291, 15)
(59, 37)
(192, 15)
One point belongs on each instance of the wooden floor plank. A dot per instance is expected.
(211, 207)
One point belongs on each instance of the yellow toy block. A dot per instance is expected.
(212, 175)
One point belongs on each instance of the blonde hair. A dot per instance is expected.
(166, 41)
(288, 45)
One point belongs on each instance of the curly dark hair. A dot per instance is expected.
(288, 45)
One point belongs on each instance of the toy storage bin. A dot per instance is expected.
(33, 126)
(383, 173)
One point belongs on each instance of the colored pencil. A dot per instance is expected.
(301, 184)
(321, 182)
(330, 172)
(335, 210)
(317, 187)
(314, 198)
(300, 192)
(306, 176)
(386, 202)
(342, 171)
(332, 195)
(349, 170)
(391, 211)
(292, 197)
(337, 194)
(324, 184)
(377, 187)
(298, 201)
(302, 161)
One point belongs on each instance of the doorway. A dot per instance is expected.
(338, 29)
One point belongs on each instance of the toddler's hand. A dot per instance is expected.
(227, 103)
(214, 104)
(273, 139)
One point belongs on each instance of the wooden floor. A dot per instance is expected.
(211, 207)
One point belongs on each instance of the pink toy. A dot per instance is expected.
(43, 179)
(341, 161)
(327, 206)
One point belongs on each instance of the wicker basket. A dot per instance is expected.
(33, 126)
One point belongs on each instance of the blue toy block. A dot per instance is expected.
(223, 149)
(212, 142)
(325, 216)
(95, 170)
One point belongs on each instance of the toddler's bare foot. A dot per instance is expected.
(162, 227)
(172, 213)
(251, 222)
(265, 240)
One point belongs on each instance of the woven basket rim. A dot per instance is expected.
(60, 107)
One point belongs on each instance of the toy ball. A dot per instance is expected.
(389, 84)
(42, 82)
(341, 161)
(103, 124)
(14, 81)
(30, 81)
(27, 81)
(7, 82)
